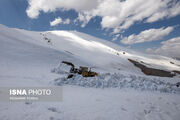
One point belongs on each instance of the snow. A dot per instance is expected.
(121, 81)
(98, 104)
(121, 91)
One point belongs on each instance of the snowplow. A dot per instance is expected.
(84, 71)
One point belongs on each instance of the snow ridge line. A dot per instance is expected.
(118, 80)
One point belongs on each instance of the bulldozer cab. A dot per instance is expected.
(83, 69)
(87, 73)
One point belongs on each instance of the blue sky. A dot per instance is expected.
(14, 13)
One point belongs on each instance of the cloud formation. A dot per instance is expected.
(56, 21)
(59, 20)
(35, 6)
(116, 14)
(169, 48)
(147, 36)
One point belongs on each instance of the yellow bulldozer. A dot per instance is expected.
(84, 71)
(87, 73)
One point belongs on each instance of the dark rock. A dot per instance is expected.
(178, 72)
(152, 71)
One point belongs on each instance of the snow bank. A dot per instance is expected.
(118, 80)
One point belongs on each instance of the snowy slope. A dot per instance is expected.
(27, 59)
(90, 50)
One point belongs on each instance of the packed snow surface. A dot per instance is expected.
(121, 91)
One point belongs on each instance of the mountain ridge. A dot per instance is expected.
(91, 51)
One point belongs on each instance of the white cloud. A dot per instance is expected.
(35, 6)
(147, 36)
(169, 48)
(59, 21)
(165, 13)
(56, 21)
(67, 21)
(116, 14)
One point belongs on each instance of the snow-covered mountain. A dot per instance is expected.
(83, 49)
(27, 58)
